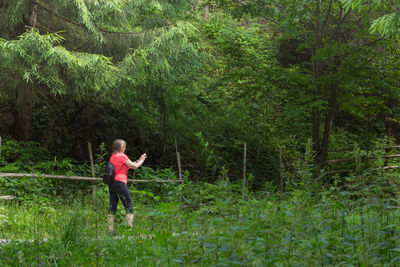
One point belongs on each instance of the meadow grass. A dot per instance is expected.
(329, 228)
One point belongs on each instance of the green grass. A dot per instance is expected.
(329, 228)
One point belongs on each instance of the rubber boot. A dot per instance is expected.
(129, 219)
(110, 223)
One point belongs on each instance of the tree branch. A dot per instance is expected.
(374, 42)
(81, 25)
(342, 57)
(270, 19)
(343, 17)
(326, 18)
(278, 4)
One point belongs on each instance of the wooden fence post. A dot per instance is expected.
(91, 167)
(178, 160)
(206, 11)
(244, 170)
(280, 170)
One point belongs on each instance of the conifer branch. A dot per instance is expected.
(83, 26)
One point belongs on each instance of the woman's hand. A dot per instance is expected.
(136, 164)
(143, 157)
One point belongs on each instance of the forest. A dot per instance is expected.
(276, 124)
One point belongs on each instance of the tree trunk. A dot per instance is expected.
(32, 16)
(332, 108)
(315, 130)
(317, 72)
(23, 113)
(323, 153)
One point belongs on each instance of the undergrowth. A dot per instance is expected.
(347, 221)
(331, 227)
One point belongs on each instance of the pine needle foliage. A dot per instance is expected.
(39, 59)
(169, 45)
(81, 44)
(12, 14)
(91, 49)
(387, 19)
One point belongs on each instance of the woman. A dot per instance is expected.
(119, 188)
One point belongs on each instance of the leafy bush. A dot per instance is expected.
(161, 189)
(23, 152)
(206, 197)
(32, 157)
(312, 229)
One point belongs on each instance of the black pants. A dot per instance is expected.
(119, 190)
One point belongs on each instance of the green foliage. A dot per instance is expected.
(74, 229)
(153, 192)
(23, 152)
(234, 88)
(155, 71)
(150, 51)
(209, 198)
(14, 15)
(32, 157)
(331, 227)
(323, 71)
(37, 59)
(249, 72)
(169, 52)
(155, 174)
(384, 24)
(85, 16)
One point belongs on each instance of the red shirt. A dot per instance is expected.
(120, 168)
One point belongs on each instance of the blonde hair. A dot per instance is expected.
(117, 145)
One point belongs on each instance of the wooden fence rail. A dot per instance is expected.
(347, 171)
(80, 178)
(352, 148)
(353, 159)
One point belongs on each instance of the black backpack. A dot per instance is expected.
(109, 173)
